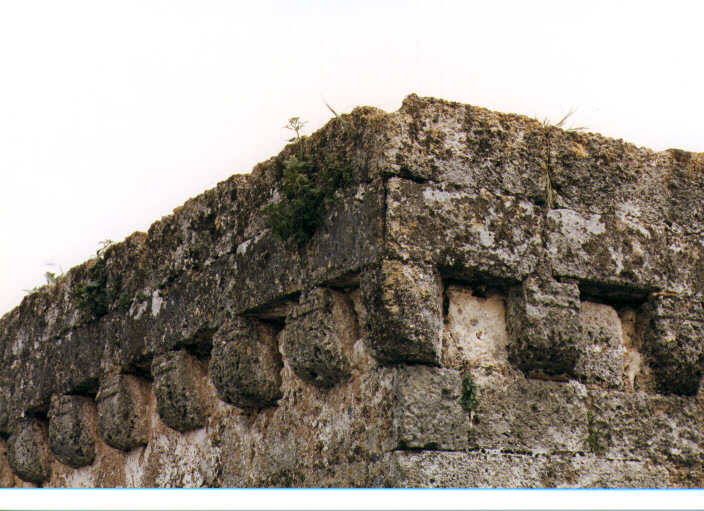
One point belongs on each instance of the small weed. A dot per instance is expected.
(99, 294)
(307, 191)
(469, 400)
(141, 296)
(547, 163)
(593, 440)
(51, 279)
(295, 124)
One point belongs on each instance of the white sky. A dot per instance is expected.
(114, 113)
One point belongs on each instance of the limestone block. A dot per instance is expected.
(123, 422)
(674, 343)
(427, 413)
(180, 390)
(28, 451)
(601, 345)
(72, 430)
(641, 426)
(404, 312)
(467, 231)
(529, 416)
(543, 325)
(474, 334)
(433, 469)
(617, 250)
(246, 364)
(319, 337)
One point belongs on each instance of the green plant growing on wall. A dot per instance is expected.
(307, 191)
(51, 279)
(593, 440)
(99, 294)
(468, 399)
(547, 164)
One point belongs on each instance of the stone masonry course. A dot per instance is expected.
(479, 300)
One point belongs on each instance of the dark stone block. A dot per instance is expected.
(179, 387)
(674, 343)
(123, 422)
(319, 335)
(72, 430)
(427, 412)
(28, 451)
(246, 364)
(404, 312)
(543, 326)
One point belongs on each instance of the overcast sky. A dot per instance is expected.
(114, 113)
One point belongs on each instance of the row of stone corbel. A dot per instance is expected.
(402, 308)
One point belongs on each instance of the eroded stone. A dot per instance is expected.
(246, 364)
(543, 325)
(179, 386)
(601, 345)
(428, 413)
(529, 416)
(319, 337)
(404, 312)
(432, 469)
(123, 422)
(643, 427)
(72, 430)
(28, 451)
(474, 334)
(674, 343)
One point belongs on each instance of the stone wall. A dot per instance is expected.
(443, 326)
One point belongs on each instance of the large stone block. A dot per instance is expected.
(319, 337)
(28, 451)
(645, 427)
(246, 364)
(529, 416)
(601, 345)
(428, 413)
(72, 430)
(182, 398)
(674, 343)
(466, 232)
(543, 325)
(403, 312)
(620, 255)
(433, 469)
(123, 421)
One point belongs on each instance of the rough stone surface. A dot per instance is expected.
(529, 416)
(72, 430)
(543, 325)
(28, 452)
(122, 418)
(464, 232)
(674, 342)
(622, 253)
(181, 400)
(432, 469)
(428, 413)
(246, 364)
(475, 334)
(404, 312)
(319, 335)
(601, 345)
(476, 337)
(640, 426)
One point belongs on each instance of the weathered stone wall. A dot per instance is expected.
(442, 327)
